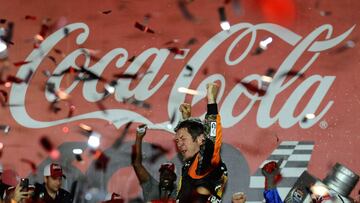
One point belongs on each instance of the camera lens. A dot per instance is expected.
(341, 179)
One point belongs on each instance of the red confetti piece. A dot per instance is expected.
(14, 79)
(71, 111)
(252, 88)
(176, 50)
(106, 12)
(29, 17)
(132, 59)
(20, 63)
(44, 28)
(143, 28)
(171, 42)
(205, 71)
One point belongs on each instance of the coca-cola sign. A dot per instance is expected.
(311, 47)
(284, 116)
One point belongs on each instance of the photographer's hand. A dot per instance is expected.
(19, 195)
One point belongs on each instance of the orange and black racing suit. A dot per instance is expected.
(205, 170)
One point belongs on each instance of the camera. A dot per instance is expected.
(141, 129)
(24, 184)
(337, 186)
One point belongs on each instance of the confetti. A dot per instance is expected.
(20, 63)
(325, 13)
(143, 28)
(191, 41)
(29, 17)
(52, 59)
(292, 73)
(45, 28)
(48, 147)
(66, 31)
(106, 12)
(66, 71)
(101, 160)
(252, 88)
(46, 144)
(101, 106)
(263, 44)
(190, 69)
(132, 59)
(88, 75)
(110, 88)
(188, 91)
(308, 117)
(174, 41)
(137, 103)
(125, 76)
(176, 51)
(224, 24)
(147, 18)
(28, 76)
(5, 128)
(54, 108)
(122, 136)
(348, 44)
(72, 109)
(9, 33)
(14, 79)
(184, 10)
(205, 71)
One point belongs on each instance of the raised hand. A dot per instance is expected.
(185, 110)
(141, 130)
(212, 92)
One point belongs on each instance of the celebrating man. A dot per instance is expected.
(204, 175)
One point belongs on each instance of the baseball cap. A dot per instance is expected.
(53, 170)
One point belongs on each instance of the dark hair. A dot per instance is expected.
(195, 129)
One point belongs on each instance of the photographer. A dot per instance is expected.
(153, 190)
(51, 191)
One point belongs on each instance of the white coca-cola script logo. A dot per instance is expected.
(285, 116)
